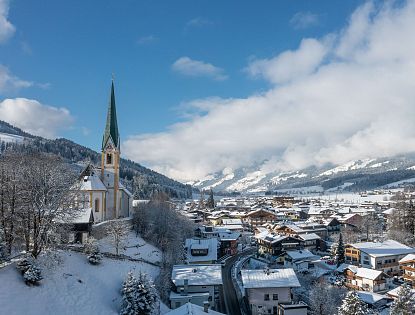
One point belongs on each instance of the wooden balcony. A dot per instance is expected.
(409, 268)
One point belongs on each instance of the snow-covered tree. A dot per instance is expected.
(333, 251)
(138, 295)
(32, 275)
(352, 305)
(323, 298)
(24, 264)
(340, 251)
(405, 303)
(117, 230)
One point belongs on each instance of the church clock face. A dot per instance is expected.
(109, 146)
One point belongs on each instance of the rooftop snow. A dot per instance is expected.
(191, 309)
(197, 274)
(387, 248)
(300, 254)
(273, 278)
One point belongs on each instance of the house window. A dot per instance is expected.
(109, 158)
(266, 297)
(275, 297)
(96, 205)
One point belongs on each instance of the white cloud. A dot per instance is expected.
(302, 20)
(195, 68)
(11, 83)
(352, 98)
(291, 65)
(6, 28)
(34, 117)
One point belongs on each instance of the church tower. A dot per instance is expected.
(110, 159)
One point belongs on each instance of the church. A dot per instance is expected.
(101, 192)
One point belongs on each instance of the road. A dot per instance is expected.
(231, 300)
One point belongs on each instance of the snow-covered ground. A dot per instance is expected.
(135, 247)
(73, 286)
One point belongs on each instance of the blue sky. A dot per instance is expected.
(74, 46)
(211, 86)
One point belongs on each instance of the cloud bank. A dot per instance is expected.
(345, 96)
(302, 20)
(196, 68)
(34, 117)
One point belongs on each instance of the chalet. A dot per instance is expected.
(228, 243)
(275, 244)
(195, 284)
(201, 251)
(374, 301)
(269, 288)
(379, 256)
(407, 265)
(365, 279)
(259, 217)
(299, 259)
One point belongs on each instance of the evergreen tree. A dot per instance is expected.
(211, 200)
(352, 305)
(139, 295)
(340, 251)
(405, 303)
(32, 275)
(202, 200)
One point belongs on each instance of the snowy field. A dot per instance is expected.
(73, 286)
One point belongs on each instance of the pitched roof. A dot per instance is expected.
(272, 278)
(197, 274)
(111, 127)
(191, 309)
(386, 248)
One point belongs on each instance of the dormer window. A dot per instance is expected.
(109, 158)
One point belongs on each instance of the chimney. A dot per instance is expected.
(186, 285)
(206, 306)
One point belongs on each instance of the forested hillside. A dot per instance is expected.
(142, 181)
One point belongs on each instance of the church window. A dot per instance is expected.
(96, 205)
(109, 158)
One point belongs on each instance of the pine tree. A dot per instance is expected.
(405, 303)
(139, 295)
(202, 200)
(352, 305)
(340, 251)
(32, 275)
(211, 200)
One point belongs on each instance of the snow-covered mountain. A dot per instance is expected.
(6, 137)
(353, 176)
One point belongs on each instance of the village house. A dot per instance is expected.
(275, 244)
(269, 288)
(201, 251)
(228, 243)
(365, 279)
(299, 259)
(259, 217)
(383, 256)
(407, 265)
(195, 284)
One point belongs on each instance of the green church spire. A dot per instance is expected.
(111, 128)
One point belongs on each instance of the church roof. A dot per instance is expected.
(111, 127)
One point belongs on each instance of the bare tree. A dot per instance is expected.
(117, 231)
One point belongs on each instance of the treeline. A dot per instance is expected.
(143, 182)
(161, 225)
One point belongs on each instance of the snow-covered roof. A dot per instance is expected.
(122, 187)
(271, 278)
(92, 183)
(233, 227)
(191, 309)
(210, 243)
(231, 222)
(79, 216)
(369, 297)
(223, 236)
(300, 254)
(395, 291)
(309, 236)
(386, 248)
(368, 273)
(408, 257)
(197, 274)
